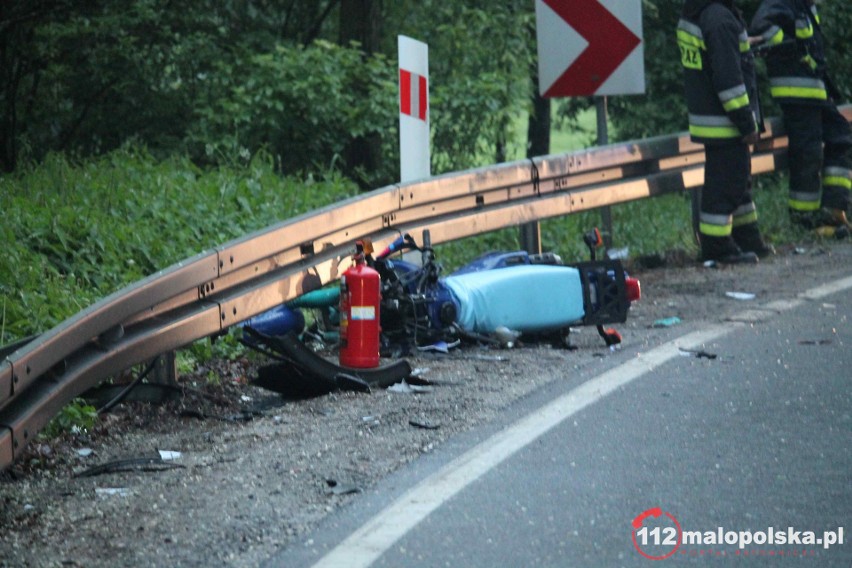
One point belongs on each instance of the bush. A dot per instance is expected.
(75, 417)
(76, 232)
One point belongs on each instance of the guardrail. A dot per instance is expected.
(208, 293)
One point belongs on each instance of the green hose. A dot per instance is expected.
(322, 298)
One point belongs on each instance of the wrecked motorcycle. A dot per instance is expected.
(495, 298)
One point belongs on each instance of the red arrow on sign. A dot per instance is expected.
(610, 42)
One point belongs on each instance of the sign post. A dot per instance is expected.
(414, 153)
(603, 140)
(590, 48)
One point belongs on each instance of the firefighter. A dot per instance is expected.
(724, 115)
(820, 177)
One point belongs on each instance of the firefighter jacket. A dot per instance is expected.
(793, 47)
(719, 73)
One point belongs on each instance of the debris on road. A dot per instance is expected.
(404, 387)
(815, 342)
(697, 353)
(112, 491)
(336, 488)
(440, 346)
(147, 464)
(426, 425)
(740, 295)
(667, 322)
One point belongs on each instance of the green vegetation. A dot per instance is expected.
(576, 134)
(75, 417)
(76, 232)
(314, 84)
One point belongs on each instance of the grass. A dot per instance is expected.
(76, 232)
(566, 139)
(563, 138)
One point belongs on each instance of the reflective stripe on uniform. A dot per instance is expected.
(837, 177)
(797, 88)
(715, 225)
(744, 215)
(774, 35)
(690, 34)
(804, 29)
(706, 126)
(745, 46)
(800, 201)
(734, 98)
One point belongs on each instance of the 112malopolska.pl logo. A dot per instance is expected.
(658, 535)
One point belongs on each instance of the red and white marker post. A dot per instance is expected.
(414, 149)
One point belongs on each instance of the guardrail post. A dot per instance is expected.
(165, 369)
(530, 236)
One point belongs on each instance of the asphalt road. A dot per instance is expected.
(728, 430)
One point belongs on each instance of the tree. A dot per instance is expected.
(22, 68)
(539, 121)
(312, 83)
(87, 76)
(360, 27)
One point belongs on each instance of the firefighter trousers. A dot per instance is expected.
(727, 179)
(819, 157)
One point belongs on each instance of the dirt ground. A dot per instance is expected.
(256, 472)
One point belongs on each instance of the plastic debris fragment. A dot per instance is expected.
(667, 322)
(740, 295)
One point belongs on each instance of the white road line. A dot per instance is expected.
(371, 540)
(826, 289)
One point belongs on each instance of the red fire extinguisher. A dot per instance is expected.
(360, 294)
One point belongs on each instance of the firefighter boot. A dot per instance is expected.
(748, 238)
(825, 222)
(724, 251)
(834, 223)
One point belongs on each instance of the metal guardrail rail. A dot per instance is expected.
(210, 292)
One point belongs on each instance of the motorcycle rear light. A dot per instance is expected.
(633, 289)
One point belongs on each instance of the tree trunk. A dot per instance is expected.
(360, 21)
(538, 127)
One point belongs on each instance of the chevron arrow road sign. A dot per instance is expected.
(590, 47)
